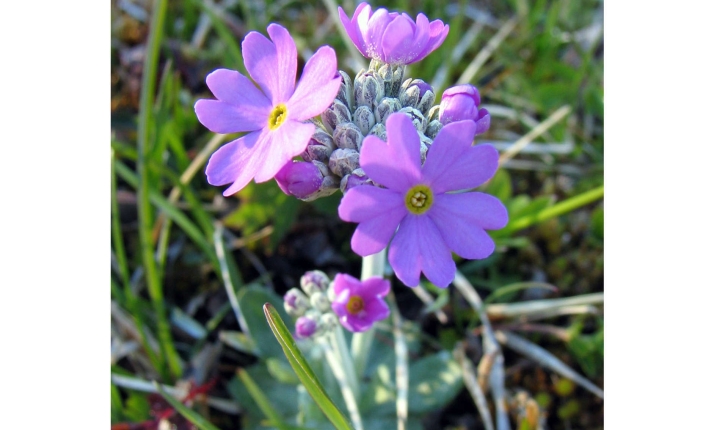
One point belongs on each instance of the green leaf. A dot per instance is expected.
(186, 412)
(302, 368)
(239, 341)
(434, 381)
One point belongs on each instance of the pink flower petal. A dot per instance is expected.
(318, 86)
(376, 309)
(418, 247)
(378, 211)
(397, 40)
(240, 105)
(460, 234)
(287, 141)
(479, 209)
(287, 57)
(351, 25)
(272, 65)
(395, 164)
(375, 286)
(454, 164)
(236, 162)
(366, 202)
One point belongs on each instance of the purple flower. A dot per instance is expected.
(299, 179)
(360, 304)
(431, 221)
(305, 327)
(391, 37)
(274, 114)
(460, 103)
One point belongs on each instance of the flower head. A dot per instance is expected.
(429, 221)
(460, 103)
(360, 304)
(391, 37)
(274, 115)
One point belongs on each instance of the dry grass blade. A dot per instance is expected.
(534, 133)
(490, 346)
(488, 50)
(509, 310)
(473, 386)
(545, 358)
(227, 280)
(427, 299)
(138, 384)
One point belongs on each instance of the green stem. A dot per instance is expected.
(154, 285)
(361, 343)
(560, 208)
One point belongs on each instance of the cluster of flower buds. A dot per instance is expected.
(311, 306)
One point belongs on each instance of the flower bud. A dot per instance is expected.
(314, 281)
(386, 107)
(345, 89)
(364, 118)
(418, 94)
(320, 302)
(433, 128)
(433, 114)
(305, 327)
(347, 135)
(319, 147)
(343, 161)
(335, 114)
(354, 179)
(391, 75)
(418, 120)
(295, 302)
(305, 181)
(461, 103)
(328, 321)
(368, 89)
(379, 130)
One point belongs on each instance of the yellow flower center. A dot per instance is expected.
(355, 305)
(419, 199)
(277, 116)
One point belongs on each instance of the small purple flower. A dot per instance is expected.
(391, 37)
(429, 222)
(274, 115)
(305, 327)
(460, 103)
(360, 304)
(299, 179)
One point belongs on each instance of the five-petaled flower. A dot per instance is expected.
(360, 304)
(391, 37)
(429, 221)
(274, 115)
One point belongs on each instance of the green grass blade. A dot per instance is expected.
(173, 213)
(144, 145)
(186, 412)
(303, 370)
(261, 399)
(560, 208)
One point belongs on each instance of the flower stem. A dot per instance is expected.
(334, 356)
(361, 343)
